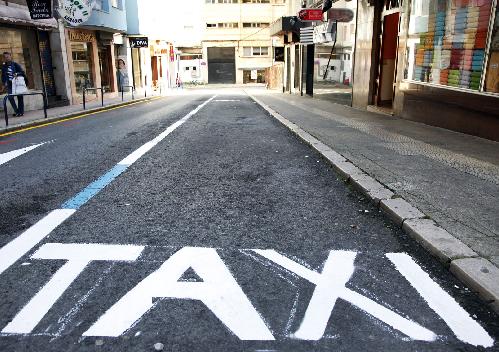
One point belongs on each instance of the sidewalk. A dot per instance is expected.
(93, 103)
(450, 177)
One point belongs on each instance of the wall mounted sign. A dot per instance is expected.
(325, 33)
(76, 12)
(138, 42)
(340, 15)
(79, 36)
(40, 9)
(308, 15)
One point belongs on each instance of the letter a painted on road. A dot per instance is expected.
(219, 291)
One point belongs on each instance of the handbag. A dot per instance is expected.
(19, 85)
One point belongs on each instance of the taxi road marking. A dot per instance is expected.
(220, 292)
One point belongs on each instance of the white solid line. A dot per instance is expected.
(136, 154)
(18, 247)
(5, 157)
(464, 327)
(22, 244)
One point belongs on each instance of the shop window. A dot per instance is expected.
(22, 45)
(82, 65)
(492, 75)
(447, 42)
(253, 76)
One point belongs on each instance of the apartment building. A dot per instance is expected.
(236, 41)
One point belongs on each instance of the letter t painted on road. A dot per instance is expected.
(78, 256)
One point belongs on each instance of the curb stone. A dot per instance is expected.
(43, 121)
(479, 274)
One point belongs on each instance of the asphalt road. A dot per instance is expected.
(198, 223)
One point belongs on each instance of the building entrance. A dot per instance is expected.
(221, 65)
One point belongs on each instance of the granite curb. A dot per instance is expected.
(43, 121)
(479, 274)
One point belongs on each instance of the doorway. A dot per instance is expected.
(385, 80)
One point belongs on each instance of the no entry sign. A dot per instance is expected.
(309, 15)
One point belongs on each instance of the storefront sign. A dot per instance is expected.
(324, 33)
(340, 15)
(172, 53)
(159, 48)
(139, 42)
(308, 15)
(77, 36)
(76, 12)
(40, 9)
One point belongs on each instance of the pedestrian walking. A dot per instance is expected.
(10, 72)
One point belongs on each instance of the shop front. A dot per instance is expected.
(83, 61)
(160, 63)
(28, 41)
(436, 61)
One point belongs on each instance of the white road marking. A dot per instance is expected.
(227, 100)
(19, 246)
(78, 256)
(330, 285)
(5, 157)
(219, 291)
(134, 156)
(464, 327)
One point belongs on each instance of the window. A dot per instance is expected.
(255, 24)
(256, 1)
(194, 68)
(211, 25)
(211, 1)
(255, 51)
(228, 25)
(102, 5)
(187, 68)
(228, 1)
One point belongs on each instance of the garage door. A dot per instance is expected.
(221, 65)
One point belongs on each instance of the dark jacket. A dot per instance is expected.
(17, 69)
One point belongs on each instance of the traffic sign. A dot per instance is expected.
(309, 15)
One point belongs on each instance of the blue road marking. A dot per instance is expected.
(95, 187)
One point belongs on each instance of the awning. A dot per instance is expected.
(19, 15)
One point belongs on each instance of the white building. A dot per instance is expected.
(236, 42)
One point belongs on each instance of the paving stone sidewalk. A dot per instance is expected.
(452, 178)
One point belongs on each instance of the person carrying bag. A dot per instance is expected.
(14, 78)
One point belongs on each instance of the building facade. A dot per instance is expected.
(433, 61)
(92, 49)
(39, 47)
(152, 65)
(236, 42)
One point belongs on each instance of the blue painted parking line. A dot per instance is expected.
(95, 187)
